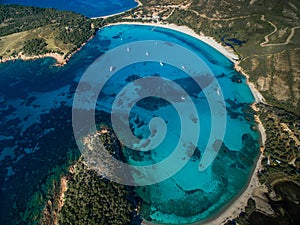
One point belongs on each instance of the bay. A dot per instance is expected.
(36, 127)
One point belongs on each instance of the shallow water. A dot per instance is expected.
(89, 8)
(36, 126)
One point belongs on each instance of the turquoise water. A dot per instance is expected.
(36, 127)
(189, 195)
(89, 8)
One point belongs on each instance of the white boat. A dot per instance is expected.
(182, 97)
(161, 63)
(183, 67)
(128, 49)
(147, 53)
(218, 91)
(111, 68)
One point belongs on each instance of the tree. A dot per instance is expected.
(35, 46)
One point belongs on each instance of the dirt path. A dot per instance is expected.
(266, 42)
(171, 13)
(291, 133)
(218, 19)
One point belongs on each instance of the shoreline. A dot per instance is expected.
(256, 94)
(236, 205)
(224, 50)
(119, 13)
(239, 203)
(60, 59)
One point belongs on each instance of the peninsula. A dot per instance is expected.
(31, 32)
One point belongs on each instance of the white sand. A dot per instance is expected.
(237, 206)
(104, 17)
(138, 2)
(226, 51)
(241, 202)
(257, 96)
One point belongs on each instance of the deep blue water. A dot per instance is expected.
(89, 8)
(36, 125)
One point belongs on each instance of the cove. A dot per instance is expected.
(190, 195)
(36, 106)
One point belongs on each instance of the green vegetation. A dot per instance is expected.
(280, 167)
(21, 27)
(163, 2)
(35, 46)
(285, 207)
(243, 21)
(282, 145)
(15, 18)
(92, 200)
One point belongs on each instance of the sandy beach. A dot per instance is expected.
(115, 14)
(257, 96)
(238, 205)
(226, 51)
